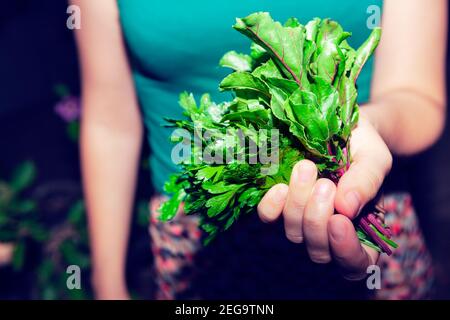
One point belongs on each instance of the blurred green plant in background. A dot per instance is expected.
(24, 228)
(30, 239)
(60, 245)
(68, 244)
(19, 223)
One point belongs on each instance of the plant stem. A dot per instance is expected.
(364, 224)
(373, 220)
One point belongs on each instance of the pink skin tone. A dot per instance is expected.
(308, 205)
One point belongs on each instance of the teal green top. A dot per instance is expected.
(176, 46)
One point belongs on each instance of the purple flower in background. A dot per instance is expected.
(69, 108)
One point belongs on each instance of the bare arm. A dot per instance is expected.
(408, 92)
(111, 136)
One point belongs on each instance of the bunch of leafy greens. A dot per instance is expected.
(297, 79)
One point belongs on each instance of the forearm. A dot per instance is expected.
(110, 154)
(409, 122)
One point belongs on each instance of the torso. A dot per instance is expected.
(177, 47)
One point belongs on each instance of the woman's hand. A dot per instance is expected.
(308, 204)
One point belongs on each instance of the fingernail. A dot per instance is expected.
(322, 191)
(337, 233)
(305, 172)
(353, 201)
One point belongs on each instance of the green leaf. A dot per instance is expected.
(23, 176)
(267, 70)
(3, 220)
(236, 61)
(306, 110)
(73, 255)
(218, 203)
(292, 22)
(250, 197)
(355, 117)
(143, 214)
(232, 218)
(277, 103)
(258, 117)
(73, 130)
(194, 203)
(258, 53)
(205, 101)
(76, 212)
(329, 55)
(170, 207)
(50, 293)
(212, 230)
(312, 28)
(18, 257)
(221, 187)
(347, 101)
(24, 206)
(364, 52)
(328, 99)
(187, 102)
(244, 81)
(311, 145)
(8, 235)
(207, 173)
(45, 270)
(288, 86)
(37, 231)
(284, 44)
(6, 194)
(172, 185)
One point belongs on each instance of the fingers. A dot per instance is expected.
(357, 186)
(360, 184)
(303, 177)
(347, 251)
(318, 211)
(271, 205)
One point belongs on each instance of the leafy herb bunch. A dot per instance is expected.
(297, 79)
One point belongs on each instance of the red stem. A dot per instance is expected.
(373, 220)
(363, 223)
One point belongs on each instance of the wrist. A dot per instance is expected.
(375, 116)
(102, 278)
(109, 288)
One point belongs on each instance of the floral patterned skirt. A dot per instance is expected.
(406, 274)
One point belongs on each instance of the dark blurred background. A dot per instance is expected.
(41, 210)
(39, 153)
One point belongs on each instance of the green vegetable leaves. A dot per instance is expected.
(244, 81)
(236, 61)
(169, 208)
(299, 80)
(284, 44)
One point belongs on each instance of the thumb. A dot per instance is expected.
(357, 186)
(370, 164)
(360, 184)
(348, 252)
